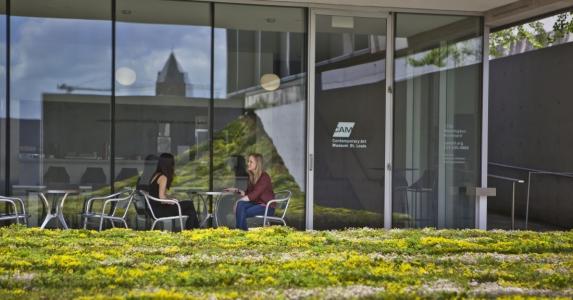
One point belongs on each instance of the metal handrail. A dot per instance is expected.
(513, 182)
(530, 172)
(565, 174)
(506, 178)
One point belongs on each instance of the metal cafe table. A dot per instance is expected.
(214, 200)
(60, 196)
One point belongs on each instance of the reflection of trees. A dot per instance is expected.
(439, 56)
(534, 33)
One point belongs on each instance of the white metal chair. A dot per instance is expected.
(142, 214)
(13, 214)
(282, 200)
(180, 216)
(121, 200)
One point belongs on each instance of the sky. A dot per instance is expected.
(46, 52)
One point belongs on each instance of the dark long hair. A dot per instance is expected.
(166, 166)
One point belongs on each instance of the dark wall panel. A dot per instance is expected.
(530, 126)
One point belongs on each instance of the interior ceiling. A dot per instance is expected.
(478, 6)
(189, 12)
(411, 24)
(179, 11)
(245, 17)
(267, 18)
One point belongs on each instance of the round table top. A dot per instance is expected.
(216, 193)
(61, 191)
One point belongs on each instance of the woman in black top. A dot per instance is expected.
(160, 183)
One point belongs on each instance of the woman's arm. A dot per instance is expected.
(162, 182)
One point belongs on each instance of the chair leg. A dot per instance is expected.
(153, 225)
(46, 221)
(85, 222)
(100, 223)
(125, 224)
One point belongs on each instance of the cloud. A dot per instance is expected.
(46, 52)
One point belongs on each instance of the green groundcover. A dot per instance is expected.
(279, 262)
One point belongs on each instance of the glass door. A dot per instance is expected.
(437, 105)
(348, 59)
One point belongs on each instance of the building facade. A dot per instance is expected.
(371, 114)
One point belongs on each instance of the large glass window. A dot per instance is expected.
(350, 109)
(60, 99)
(260, 100)
(436, 120)
(163, 65)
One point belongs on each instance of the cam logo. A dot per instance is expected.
(343, 129)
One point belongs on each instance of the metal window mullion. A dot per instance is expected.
(309, 218)
(389, 130)
(8, 96)
(112, 108)
(212, 107)
(481, 201)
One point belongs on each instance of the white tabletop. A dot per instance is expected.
(216, 193)
(46, 188)
(61, 191)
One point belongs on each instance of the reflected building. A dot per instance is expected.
(166, 122)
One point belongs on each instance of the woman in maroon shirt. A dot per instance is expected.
(259, 192)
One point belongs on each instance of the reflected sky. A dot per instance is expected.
(47, 52)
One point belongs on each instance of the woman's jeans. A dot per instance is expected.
(248, 209)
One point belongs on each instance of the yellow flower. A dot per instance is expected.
(63, 261)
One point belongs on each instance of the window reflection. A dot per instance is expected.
(163, 54)
(350, 109)
(260, 83)
(436, 122)
(60, 99)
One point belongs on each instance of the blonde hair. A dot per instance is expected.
(256, 174)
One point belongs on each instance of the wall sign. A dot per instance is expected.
(457, 143)
(341, 137)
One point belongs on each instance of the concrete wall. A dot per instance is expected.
(286, 126)
(530, 126)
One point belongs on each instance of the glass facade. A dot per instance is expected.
(350, 66)
(437, 120)
(260, 100)
(98, 89)
(60, 96)
(73, 126)
(162, 91)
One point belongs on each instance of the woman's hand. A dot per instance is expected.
(235, 190)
